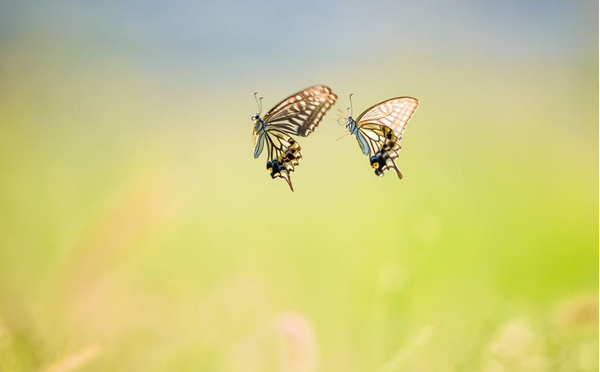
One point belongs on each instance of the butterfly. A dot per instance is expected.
(297, 115)
(379, 130)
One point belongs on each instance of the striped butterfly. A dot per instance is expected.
(379, 130)
(297, 115)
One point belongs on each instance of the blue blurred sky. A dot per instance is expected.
(236, 39)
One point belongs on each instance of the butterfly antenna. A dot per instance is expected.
(258, 102)
(288, 179)
(351, 107)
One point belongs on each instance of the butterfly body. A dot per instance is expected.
(299, 115)
(352, 127)
(379, 130)
(259, 136)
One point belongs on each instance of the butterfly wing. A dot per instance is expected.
(301, 113)
(393, 113)
(284, 155)
(374, 136)
(384, 144)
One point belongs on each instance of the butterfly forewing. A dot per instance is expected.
(393, 113)
(302, 112)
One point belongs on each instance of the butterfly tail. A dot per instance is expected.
(395, 167)
(394, 152)
(288, 179)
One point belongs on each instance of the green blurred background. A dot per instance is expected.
(137, 232)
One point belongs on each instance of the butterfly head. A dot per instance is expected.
(351, 125)
(259, 125)
(256, 117)
(350, 122)
(347, 119)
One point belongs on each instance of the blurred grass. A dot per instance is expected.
(133, 217)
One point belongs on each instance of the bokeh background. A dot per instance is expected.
(137, 232)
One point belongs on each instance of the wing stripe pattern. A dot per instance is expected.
(302, 112)
(393, 113)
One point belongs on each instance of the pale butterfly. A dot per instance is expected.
(379, 130)
(297, 115)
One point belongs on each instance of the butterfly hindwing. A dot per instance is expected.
(385, 147)
(284, 155)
